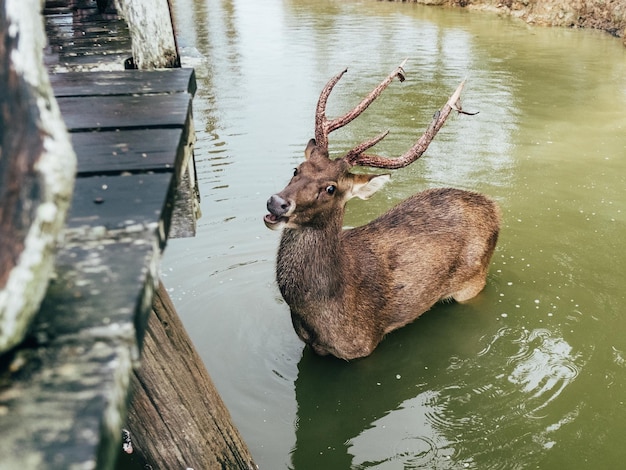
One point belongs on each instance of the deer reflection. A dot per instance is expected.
(444, 407)
(339, 401)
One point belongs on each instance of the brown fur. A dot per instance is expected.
(348, 288)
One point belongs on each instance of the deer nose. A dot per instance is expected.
(277, 205)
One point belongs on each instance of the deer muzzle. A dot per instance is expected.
(279, 211)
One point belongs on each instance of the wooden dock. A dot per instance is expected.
(64, 391)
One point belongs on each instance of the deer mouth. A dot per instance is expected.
(275, 222)
(279, 210)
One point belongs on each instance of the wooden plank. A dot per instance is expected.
(57, 402)
(68, 383)
(131, 112)
(55, 6)
(86, 62)
(127, 82)
(79, 303)
(90, 45)
(127, 151)
(67, 28)
(194, 431)
(117, 202)
(64, 27)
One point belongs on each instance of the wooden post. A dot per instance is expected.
(152, 33)
(176, 417)
(37, 167)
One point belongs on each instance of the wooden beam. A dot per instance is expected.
(176, 417)
(152, 33)
(37, 166)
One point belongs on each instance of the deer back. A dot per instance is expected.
(432, 246)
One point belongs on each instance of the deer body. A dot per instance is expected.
(348, 288)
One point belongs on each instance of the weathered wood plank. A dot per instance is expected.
(176, 417)
(63, 393)
(102, 283)
(121, 202)
(186, 209)
(83, 39)
(142, 150)
(137, 146)
(62, 62)
(58, 399)
(131, 112)
(52, 6)
(90, 46)
(128, 82)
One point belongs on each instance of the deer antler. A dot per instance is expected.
(357, 157)
(323, 126)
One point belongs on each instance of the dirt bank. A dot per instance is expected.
(606, 15)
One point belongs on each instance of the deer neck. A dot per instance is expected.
(310, 266)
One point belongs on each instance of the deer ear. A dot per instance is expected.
(309, 148)
(364, 186)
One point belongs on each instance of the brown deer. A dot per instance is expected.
(348, 288)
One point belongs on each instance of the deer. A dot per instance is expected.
(349, 287)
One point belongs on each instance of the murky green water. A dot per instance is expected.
(532, 373)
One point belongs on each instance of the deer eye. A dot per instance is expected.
(295, 172)
(330, 189)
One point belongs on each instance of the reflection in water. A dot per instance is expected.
(453, 416)
(406, 438)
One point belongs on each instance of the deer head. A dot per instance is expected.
(320, 186)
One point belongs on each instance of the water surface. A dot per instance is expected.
(531, 373)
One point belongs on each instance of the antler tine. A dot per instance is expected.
(359, 149)
(323, 126)
(321, 123)
(418, 149)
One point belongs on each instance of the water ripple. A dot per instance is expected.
(543, 364)
(544, 367)
(416, 452)
(500, 399)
